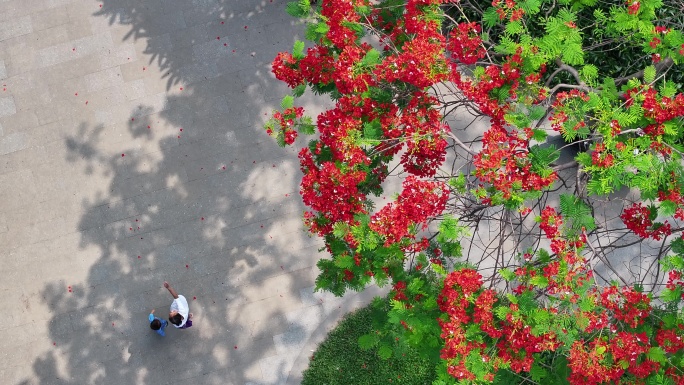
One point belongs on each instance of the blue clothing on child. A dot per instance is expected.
(164, 323)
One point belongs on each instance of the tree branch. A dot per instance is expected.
(667, 63)
(461, 144)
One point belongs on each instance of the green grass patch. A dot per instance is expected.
(340, 361)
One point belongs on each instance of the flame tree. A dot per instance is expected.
(539, 243)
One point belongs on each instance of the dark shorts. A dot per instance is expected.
(187, 325)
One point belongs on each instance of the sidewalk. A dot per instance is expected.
(132, 152)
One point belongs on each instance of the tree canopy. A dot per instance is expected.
(536, 236)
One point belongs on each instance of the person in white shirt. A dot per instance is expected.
(179, 314)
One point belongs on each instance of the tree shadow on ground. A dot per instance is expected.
(197, 195)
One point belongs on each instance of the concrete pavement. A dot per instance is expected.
(131, 152)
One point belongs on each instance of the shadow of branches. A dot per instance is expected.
(190, 190)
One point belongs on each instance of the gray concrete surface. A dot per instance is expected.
(131, 152)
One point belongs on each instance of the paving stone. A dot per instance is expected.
(16, 27)
(7, 106)
(13, 142)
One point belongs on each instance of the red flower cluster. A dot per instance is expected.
(459, 288)
(466, 304)
(418, 201)
(285, 69)
(605, 360)
(637, 218)
(566, 107)
(662, 109)
(426, 146)
(634, 6)
(504, 160)
(286, 123)
(341, 13)
(465, 44)
(671, 340)
(626, 305)
(332, 192)
(601, 158)
(318, 66)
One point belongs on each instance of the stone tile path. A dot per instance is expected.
(131, 152)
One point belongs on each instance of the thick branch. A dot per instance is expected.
(564, 67)
(667, 63)
(565, 166)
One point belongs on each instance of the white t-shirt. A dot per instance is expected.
(180, 305)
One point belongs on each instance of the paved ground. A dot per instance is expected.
(131, 152)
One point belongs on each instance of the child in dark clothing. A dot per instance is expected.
(157, 324)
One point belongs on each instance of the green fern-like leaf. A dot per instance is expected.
(368, 341)
(566, 15)
(537, 372)
(298, 49)
(287, 102)
(385, 352)
(531, 7)
(542, 157)
(448, 228)
(589, 73)
(656, 354)
(649, 74)
(573, 54)
(344, 262)
(298, 8)
(490, 18)
(372, 130)
(668, 89)
(514, 28)
(371, 58)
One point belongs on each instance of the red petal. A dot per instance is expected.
(218, 37)
(187, 266)
(194, 297)
(223, 22)
(235, 346)
(202, 218)
(138, 257)
(76, 94)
